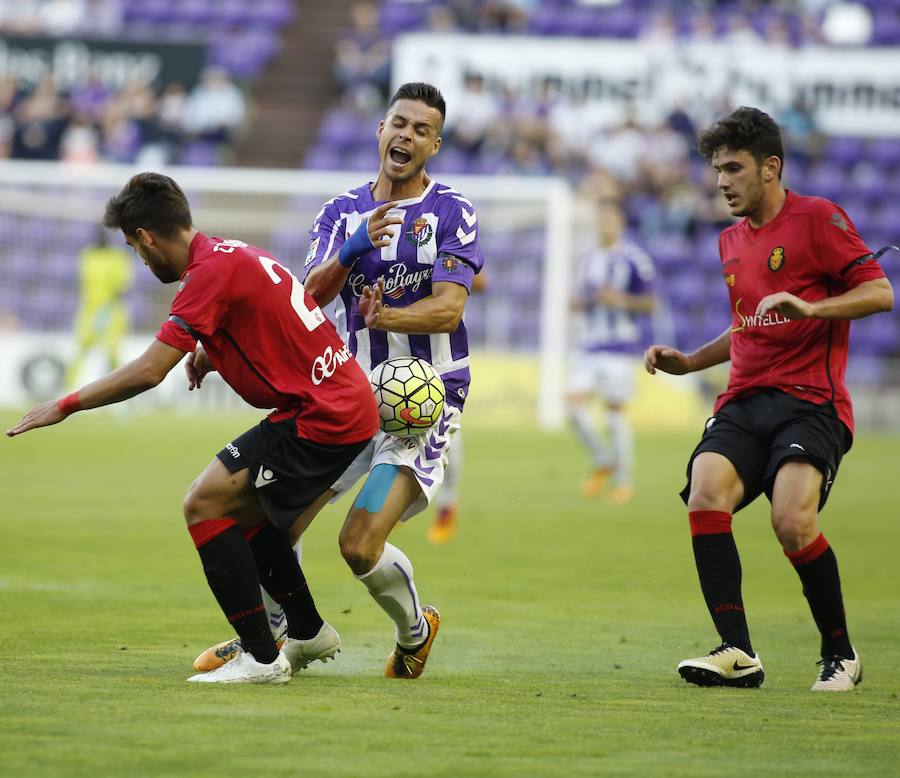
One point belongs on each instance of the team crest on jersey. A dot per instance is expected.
(730, 279)
(449, 263)
(838, 220)
(776, 259)
(184, 282)
(420, 232)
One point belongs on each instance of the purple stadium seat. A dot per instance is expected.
(321, 157)
(845, 151)
(545, 21)
(826, 180)
(397, 17)
(275, 13)
(885, 152)
(450, 160)
(200, 154)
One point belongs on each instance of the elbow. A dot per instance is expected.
(313, 288)
(888, 300)
(451, 321)
(149, 377)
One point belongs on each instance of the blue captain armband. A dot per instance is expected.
(355, 246)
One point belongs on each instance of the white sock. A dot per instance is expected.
(391, 585)
(277, 620)
(584, 427)
(622, 439)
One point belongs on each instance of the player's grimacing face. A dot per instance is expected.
(741, 179)
(408, 137)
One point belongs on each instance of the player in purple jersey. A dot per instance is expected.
(398, 256)
(615, 287)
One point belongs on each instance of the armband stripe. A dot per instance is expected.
(185, 326)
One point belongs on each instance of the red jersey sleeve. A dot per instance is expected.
(198, 307)
(838, 245)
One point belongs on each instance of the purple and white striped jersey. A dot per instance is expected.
(624, 268)
(438, 241)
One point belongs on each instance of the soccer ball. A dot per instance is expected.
(409, 395)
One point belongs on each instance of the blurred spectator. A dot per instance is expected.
(40, 122)
(619, 149)
(801, 138)
(472, 116)
(215, 108)
(170, 117)
(80, 141)
(363, 54)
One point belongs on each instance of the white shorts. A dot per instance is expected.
(607, 373)
(426, 455)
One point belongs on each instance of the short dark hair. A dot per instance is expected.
(152, 201)
(425, 93)
(746, 129)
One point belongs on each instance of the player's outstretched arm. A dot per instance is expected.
(671, 360)
(874, 296)
(137, 376)
(326, 280)
(441, 312)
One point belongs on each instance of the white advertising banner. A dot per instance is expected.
(847, 91)
(33, 368)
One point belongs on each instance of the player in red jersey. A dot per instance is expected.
(271, 343)
(796, 272)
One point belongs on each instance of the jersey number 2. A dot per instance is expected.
(311, 317)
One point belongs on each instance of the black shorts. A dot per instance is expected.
(760, 432)
(288, 472)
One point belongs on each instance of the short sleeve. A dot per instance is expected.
(459, 248)
(325, 238)
(839, 245)
(198, 307)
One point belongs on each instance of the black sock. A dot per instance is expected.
(282, 577)
(817, 567)
(719, 569)
(232, 576)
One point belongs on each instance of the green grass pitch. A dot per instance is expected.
(563, 621)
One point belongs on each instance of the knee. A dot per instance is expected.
(794, 529)
(192, 505)
(705, 497)
(360, 554)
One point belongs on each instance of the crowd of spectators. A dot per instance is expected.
(160, 122)
(648, 162)
(91, 123)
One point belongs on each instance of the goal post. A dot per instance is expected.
(49, 212)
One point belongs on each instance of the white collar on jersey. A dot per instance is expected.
(410, 200)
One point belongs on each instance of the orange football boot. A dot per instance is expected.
(403, 665)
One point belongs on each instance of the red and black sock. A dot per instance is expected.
(817, 567)
(232, 576)
(719, 568)
(282, 577)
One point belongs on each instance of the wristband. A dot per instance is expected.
(355, 246)
(69, 404)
